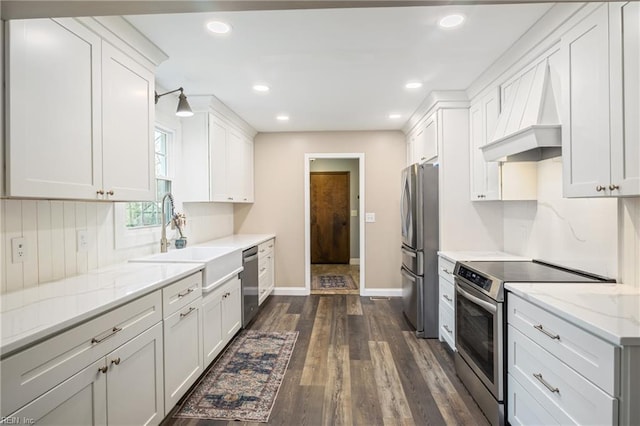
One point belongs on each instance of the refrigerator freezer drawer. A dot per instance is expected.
(413, 260)
(412, 299)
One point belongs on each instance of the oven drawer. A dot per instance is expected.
(589, 355)
(447, 325)
(565, 394)
(445, 269)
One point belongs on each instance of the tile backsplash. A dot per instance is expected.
(49, 229)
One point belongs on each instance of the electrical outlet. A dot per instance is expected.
(82, 241)
(19, 250)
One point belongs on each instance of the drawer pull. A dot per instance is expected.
(116, 361)
(191, 309)
(261, 250)
(113, 332)
(446, 271)
(544, 382)
(103, 370)
(181, 295)
(446, 327)
(263, 269)
(270, 245)
(446, 296)
(540, 328)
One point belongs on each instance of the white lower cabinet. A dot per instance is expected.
(122, 388)
(222, 316)
(560, 374)
(266, 269)
(183, 360)
(446, 305)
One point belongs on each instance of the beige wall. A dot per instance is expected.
(279, 199)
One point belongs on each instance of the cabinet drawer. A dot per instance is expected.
(181, 293)
(445, 268)
(447, 325)
(563, 392)
(39, 368)
(447, 293)
(590, 356)
(523, 409)
(266, 248)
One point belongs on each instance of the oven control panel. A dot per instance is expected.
(474, 278)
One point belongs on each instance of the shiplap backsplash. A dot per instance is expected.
(49, 228)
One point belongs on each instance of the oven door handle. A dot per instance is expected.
(488, 306)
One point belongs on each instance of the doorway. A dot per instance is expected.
(334, 202)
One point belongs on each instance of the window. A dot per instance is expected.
(147, 213)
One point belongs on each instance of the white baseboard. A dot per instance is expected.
(290, 291)
(354, 261)
(384, 292)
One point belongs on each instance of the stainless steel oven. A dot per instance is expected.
(479, 330)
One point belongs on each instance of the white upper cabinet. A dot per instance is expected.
(423, 142)
(485, 176)
(601, 148)
(624, 30)
(217, 161)
(79, 115)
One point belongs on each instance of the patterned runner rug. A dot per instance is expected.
(243, 383)
(333, 281)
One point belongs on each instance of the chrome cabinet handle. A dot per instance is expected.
(181, 295)
(110, 192)
(230, 198)
(114, 330)
(446, 296)
(103, 370)
(116, 361)
(544, 382)
(191, 309)
(613, 187)
(446, 271)
(539, 327)
(446, 327)
(100, 192)
(600, 188)
(270, 245)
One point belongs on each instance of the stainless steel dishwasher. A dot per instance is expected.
(249, 285)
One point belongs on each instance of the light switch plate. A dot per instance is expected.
(369, 217)
(354, 213)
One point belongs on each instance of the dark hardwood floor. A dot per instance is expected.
(357, 362)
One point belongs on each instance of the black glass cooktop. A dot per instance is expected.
(532, 271)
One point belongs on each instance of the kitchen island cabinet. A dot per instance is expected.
(600, 129)
(93, 136)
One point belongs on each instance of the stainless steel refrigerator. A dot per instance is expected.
(420, 243)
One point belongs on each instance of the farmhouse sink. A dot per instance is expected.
(220, 262)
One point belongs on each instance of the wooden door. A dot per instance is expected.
(330, 217)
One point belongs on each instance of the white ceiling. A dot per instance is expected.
(332, 69)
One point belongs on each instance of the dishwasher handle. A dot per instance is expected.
(249, 258)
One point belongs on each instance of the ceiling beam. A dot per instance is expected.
(24, 9)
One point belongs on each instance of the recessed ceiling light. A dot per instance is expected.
(282, 117)
(451, 21)
(260, 87)
(394, 116)
(218, 27)
(413, 85)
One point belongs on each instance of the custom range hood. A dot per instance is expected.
(528, 127)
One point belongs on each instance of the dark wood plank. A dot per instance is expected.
(358, 338)
(364, 394)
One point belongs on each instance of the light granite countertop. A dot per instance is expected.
(35, 313)
(609, 311)
(461, 256)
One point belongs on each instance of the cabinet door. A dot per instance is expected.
(135, 381)
(80, 400)
(232, 309)
(430, 138)
(127, 127)
(213, 340)
(247, 176)
(182, 352)
(624, 29)
(218, 135)
(53, 94)
(236, 165)
(485, 176)
(195, 181)
(585, 123)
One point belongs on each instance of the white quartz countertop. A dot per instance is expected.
(35, 313)
(461, 256)
(610, 311)
(238, 241)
